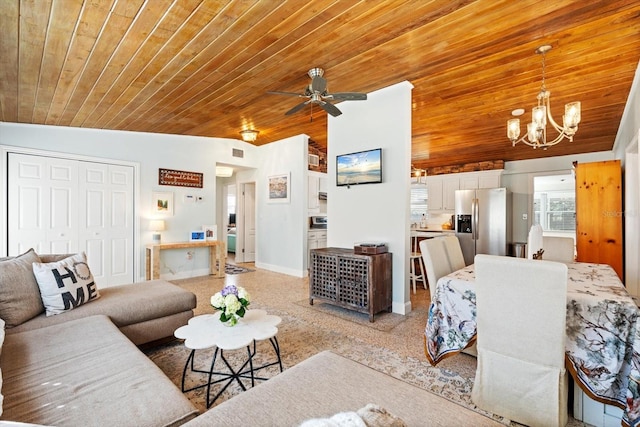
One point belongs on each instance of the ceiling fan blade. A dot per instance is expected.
(318, 84)
(330, 108)
(277, 92)
(296, 108)
(347, 96)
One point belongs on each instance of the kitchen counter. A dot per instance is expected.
(432, 230)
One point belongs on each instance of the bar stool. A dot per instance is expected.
(415, 255)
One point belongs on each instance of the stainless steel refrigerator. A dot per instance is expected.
(481, 221)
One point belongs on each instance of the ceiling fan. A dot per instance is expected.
(316, 93)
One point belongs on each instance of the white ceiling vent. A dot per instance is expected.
(314, 160)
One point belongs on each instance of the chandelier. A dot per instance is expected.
(536, 136)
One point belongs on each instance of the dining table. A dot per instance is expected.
(602, 331)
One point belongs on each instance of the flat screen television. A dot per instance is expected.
(362, 167)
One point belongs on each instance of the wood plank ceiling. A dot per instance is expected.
(203, 67)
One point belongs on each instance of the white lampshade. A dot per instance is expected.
(157, 225)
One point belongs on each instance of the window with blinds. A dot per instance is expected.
(419, 201)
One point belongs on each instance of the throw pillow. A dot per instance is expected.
(376, 416)
(19, 292)
(371, 415)
(65, 284)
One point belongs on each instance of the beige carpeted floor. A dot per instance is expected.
(392, 344)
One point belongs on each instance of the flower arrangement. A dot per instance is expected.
(232, 301)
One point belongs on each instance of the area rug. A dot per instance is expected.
(382, 321)
(305, 331)
(298, 341)
(235, 269)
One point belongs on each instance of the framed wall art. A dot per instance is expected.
(210, 232)
(162, 203)
(279, 188)
(197, 236)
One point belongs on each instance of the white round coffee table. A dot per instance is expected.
(207, 331)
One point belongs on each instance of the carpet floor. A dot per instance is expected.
(392, 344)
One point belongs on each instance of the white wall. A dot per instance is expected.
(627, 149)
(374, 212)
(281, 227)
(151, 152)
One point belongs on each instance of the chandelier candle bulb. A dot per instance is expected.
(513, 129)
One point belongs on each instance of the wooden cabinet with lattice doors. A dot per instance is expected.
(354, 281)
(599, 214)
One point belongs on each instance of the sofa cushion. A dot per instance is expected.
(65, 284)
(125, 305)
(86, 373)
(19, 292)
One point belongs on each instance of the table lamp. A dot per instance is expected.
(156, 225)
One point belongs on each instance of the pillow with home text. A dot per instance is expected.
(65, 284)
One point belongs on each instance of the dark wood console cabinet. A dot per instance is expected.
(357, 282)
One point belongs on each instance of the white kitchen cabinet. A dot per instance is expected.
(442, 188)
(449, 187)
(315, 239)
(490, 179)
(323, 183)
(314, 187)
(468, 182)
(434, 193)
(317, 182)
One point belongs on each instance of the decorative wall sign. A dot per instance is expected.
(180, 178)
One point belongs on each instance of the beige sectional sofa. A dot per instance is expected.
(326, 385)
(82, 367)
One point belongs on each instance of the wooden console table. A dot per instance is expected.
(353, 281)
(217, 256)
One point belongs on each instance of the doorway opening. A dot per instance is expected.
(230, 221)
(554, 204)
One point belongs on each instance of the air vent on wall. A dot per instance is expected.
(314, 160)
(236, 152)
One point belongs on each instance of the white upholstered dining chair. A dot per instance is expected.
(454, 252)
(521, 317)
(559, 249)
(436, 261)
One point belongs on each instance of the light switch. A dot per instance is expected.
(524, 217)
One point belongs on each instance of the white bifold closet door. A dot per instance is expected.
(60, 205)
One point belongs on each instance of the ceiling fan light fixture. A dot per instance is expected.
(536, 136)
(249, 135)
(316, 93)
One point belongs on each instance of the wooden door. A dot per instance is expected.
(599, 213)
